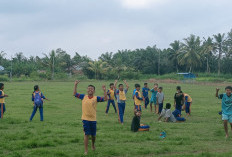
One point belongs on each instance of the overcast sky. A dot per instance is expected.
(92, 27)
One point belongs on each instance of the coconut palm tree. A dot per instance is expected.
(190, 53)
(219, 45)
(98, 67)
(207, 48)
(174, 52)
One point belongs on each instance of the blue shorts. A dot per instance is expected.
(138, 107)
(90, 127)
(227, 117)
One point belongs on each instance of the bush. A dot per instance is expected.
(4, 78)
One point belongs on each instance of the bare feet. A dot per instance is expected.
(86, 153)
(93, 148)
(227, 136)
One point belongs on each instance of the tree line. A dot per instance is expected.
(192, 54)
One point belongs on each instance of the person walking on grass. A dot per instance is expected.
(226, 107)
(89, 111)
(111, 95)
(2, 100)
(38, 100)
(121, 99)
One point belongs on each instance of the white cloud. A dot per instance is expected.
(140, 4)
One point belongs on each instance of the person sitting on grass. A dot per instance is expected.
(145, 91)
(138, 98)
(177, 115)
(154, 91)
(89, 106)
(226, 107)
(2, 100)
(135, 125)
(169, 116)
(121, 99)
(111, 96)
(38, 100)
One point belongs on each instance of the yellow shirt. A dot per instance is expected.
(2, 100)
(189, 98)
(122, 95)
(137, 101)
(111, 94)
(89, 106)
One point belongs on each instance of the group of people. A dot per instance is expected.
(182, 101)
(118, 93)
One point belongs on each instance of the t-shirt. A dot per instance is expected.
(138, 98)
(167, 113)
(153, 93)
(89, 106)
(110, 93)
(226, 104)
(160, 97)
(145, 92)
(179, 98)
(121, 95)
(187, 98)
(2, 97)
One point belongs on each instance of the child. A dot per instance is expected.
(89, 105)
(145, 91)
(111, 95)
(135, 125)
(178, 99)
(188, 102)
(37, 98)
(177, 115)
(138, 98)
(167, 114)
(226, 107)
(134, 92)
(121, 99)
(153, 97)
(170, 116)
(160, 99)
(2, 100)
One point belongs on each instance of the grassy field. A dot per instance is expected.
(61, 133)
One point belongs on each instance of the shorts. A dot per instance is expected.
(153, 101)
(90, 127)
(138, 107)
(227, 117)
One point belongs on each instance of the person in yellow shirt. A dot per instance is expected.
(111, 95)
(89, 107)
(2, 100)
(121, 99)
(138, 98)
(188, 102)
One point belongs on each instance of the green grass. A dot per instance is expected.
(61, 133)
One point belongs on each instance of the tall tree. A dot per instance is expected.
(190, 55)
(207, 49)
(219, 45)
(174, 52)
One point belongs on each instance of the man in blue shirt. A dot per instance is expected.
(145, 91)
(226, 107)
